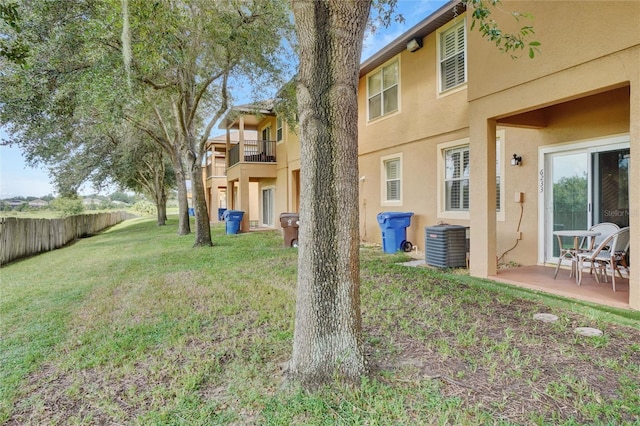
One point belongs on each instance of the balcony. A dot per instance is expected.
(216, 171)
(255, 151)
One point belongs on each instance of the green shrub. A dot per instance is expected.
(67, 206)
(144, 207)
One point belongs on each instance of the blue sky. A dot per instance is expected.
(18, 179)
(413, 11)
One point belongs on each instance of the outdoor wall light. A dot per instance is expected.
(516, 160)
(414, 44)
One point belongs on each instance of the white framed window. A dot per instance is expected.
(391, 173)
(456, 178)
(448, 192)
(382, 90)
(452, 57)
(278, 129)
(268, 202)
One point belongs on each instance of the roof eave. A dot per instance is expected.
(425, 27)
(261, 108)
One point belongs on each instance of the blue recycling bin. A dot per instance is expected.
(394, 231)
(221, 213)
(232, 219)
(192, 211)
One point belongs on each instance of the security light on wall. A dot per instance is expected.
(516, 160)
(414, 44)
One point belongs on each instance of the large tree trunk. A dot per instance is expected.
(160, 193)
(203, 229)
(161, 198)
(183, 205)
(161, 208)
(328, 335)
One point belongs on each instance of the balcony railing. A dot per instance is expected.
(255, 151)
(216, 171)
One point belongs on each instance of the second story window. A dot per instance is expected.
(278, 129)
(382, 90)
(453, 57)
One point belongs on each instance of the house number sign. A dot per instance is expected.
(541, 184)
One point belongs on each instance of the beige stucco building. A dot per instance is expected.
(263, 166)
(214, 174)
(440, 121)
(442, 116)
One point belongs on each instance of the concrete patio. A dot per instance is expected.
(541, 278)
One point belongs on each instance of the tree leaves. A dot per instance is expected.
(507, 42)
(12, 46)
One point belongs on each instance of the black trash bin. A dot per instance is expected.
(290, 223)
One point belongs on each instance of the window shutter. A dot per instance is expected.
(392, 169)
(465, 159)
(393, 190)
(452, 54)
(449, 44)
(457, 179)
(460, 77)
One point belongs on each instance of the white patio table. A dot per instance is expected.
(571, 252)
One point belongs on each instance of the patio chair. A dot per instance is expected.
(606, 229)
(608, 256)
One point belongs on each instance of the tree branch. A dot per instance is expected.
(149, 131)
(158, 86)
(224, 105)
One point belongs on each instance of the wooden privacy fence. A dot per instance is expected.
(22, 237)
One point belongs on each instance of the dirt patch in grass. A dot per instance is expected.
(494, 356)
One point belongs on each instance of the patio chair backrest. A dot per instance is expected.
(620, 244)
(606, 229)
(617, 243)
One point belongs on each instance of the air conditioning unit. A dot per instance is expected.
(446, 246)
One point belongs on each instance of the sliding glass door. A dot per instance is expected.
(611, 194)
(267, 206)
(569, 192)
(582, 184)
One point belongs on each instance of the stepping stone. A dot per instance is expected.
(588, 332)
(413, 263)
(546, 317)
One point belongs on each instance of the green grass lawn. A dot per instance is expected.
(134, 326)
